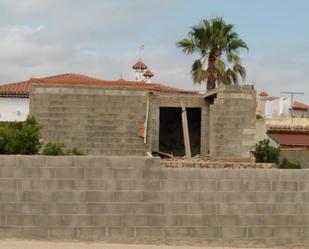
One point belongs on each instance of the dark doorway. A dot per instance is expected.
(171, 134)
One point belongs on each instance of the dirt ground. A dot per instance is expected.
(21, 244)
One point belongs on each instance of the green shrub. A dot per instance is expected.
(20, 137)
(265, 153)
(76, 152)
(53, 149)
(285, 164)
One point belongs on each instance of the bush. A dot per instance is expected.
(76, 152)
(53, 149)
(56, 149)
(20, 137)
(285, 164)
(265, 153)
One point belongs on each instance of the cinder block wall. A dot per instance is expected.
(131, 198)
(232, 123)
(96, 120)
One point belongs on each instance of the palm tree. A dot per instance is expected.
(218, 45)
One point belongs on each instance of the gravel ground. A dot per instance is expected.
(21, 244)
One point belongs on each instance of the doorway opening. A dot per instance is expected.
(171, 139)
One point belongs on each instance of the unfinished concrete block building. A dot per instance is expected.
(133, 118)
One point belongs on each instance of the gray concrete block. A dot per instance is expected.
(303, 209)
(147, 185)
(174, 208)
(99, 173)
(221, 220)
(38, 172)
(174, 185)
(230, 209)
(211, 174)
(263, 220)
(287, 232)
(31, 196)
(165, 220)
(240, 197)
(185, 173)
(119, 185)
(9, 196)
(156, 197)
(8, 184)
(35, 185)
(92, 233)
(59, 161)
(60, 184)
(285, 186)
(201, 208)
(8, 161)
(99, 196)
(123, 232)
(11, 172)
(62, 233)
(9, 208)
(303, 186)
(266, 175)
(90, 184)
(145, 208)
(63, 208)
(227, 185)
(212, 196)
(135, 220)
(258, 208)
(150, 232)
(29, 161)
(260, 232)
(9, 232)
(205, 232)
(267, 197)
(293, 197)
(33, 233)
(128, 173)
(285, 209)
(234, 232)
(184, 196)
(257, 186)
(155, 174)
(34, 208)
(177, 232)
(194, 220)
(299, 220)
(238, 174)
(70, 173)
(207, 185)
(67, 196)
(128, 196)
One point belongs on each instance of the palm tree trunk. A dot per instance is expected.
(211, 79)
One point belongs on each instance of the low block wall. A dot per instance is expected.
(123, 198)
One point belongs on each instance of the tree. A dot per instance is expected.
(218, 46)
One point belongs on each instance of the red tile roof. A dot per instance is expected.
(263, 94)
(148, 73)
(300, 106)
(139, 66)
(290, 139)
(22, 89)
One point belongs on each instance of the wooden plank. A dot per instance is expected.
(185, 131)
(146, 122)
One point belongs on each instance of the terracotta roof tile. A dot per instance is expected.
(300, 106)
(263, 94)
(22, 89)
(139, 65)
(290, 139)
(148, 73)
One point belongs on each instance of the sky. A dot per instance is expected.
(101, 38)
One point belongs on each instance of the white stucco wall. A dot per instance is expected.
(14, 109)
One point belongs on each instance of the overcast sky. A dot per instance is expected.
(101, 38)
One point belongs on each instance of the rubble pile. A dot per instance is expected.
(205, 162)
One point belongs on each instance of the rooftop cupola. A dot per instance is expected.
(139, 68)
(148, 75)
